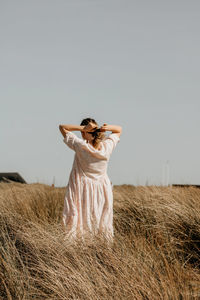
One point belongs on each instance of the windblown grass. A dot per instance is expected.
(155, 254)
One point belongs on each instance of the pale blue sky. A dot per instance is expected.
(132, 63)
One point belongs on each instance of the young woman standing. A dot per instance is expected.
(88, 203)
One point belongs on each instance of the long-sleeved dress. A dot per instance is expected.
(88, 203)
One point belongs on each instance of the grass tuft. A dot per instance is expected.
(155, 253)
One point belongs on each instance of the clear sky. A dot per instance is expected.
(132, 63)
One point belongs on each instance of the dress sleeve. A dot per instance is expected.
(111, 142)
(72, 141)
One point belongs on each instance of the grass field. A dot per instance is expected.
(155, 254)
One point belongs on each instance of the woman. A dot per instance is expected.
(88, 203)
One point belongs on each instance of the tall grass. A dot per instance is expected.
(155, 253)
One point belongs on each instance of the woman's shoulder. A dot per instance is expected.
(112, 136)
(110, 142)
(73, 141)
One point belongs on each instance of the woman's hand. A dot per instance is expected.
(104, 127)
(90, 127)
(114, 128)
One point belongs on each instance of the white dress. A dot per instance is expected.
(88, 203)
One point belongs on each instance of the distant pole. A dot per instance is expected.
(163, 175)
(166, 174)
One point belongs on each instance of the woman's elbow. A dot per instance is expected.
(61, 129)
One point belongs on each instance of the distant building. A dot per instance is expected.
(9, 177)
(186, 185)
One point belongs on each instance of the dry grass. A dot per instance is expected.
(155, 254)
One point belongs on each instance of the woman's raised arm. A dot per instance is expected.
(114, 128)
(69, 127)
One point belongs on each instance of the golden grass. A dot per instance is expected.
(155, 254)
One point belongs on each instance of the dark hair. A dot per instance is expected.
(98, 135)
(87, 121)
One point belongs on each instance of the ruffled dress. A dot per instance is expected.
(88, 202)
